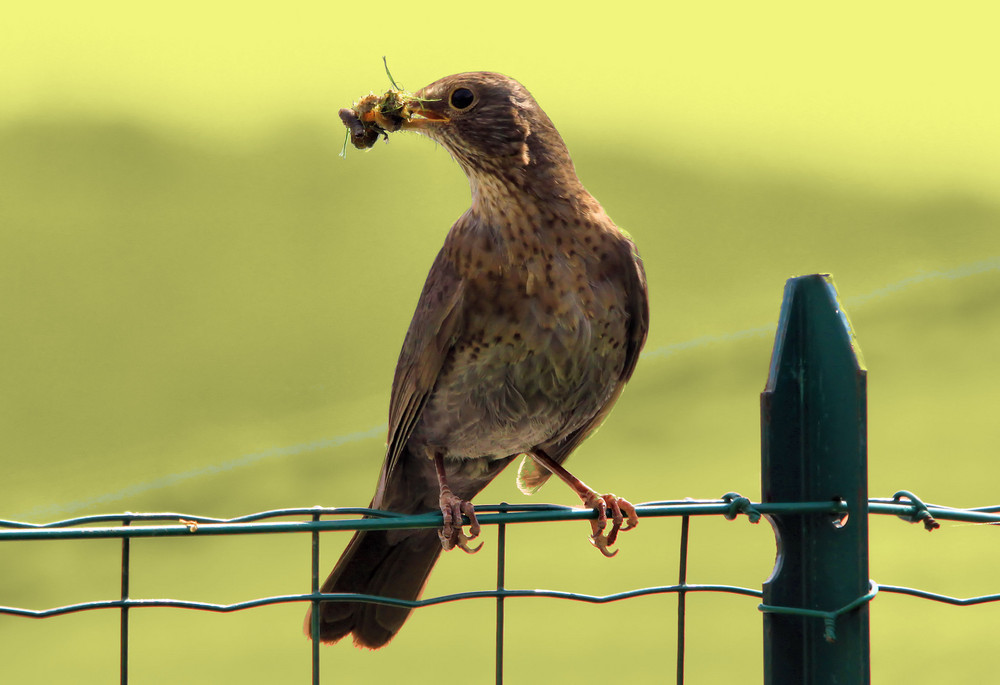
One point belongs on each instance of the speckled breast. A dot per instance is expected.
(540, 354)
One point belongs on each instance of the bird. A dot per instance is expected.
(527, 329)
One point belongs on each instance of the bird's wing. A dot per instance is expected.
(431, 335)
(638, 311)
(531, 475)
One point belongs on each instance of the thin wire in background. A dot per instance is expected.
(957, 273)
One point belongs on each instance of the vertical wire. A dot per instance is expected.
(501, 557)
(314, 614)
(682, 597)
(123, 645)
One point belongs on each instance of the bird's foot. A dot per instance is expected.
(622, 511)
(452, 535)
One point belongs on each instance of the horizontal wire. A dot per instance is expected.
(730, 506)
(190, 524)
(380, 520)
(946, 513)
(478, 594)
(923, 594)
(372, 599)
(208, 470)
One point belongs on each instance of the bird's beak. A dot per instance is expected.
(423, 119)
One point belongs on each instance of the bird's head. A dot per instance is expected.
(493, 127)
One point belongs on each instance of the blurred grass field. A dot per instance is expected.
(192, 319)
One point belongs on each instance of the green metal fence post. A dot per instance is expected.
(123, 621)
(814, 448)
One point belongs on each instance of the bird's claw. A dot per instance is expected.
(452, 535)
(458, 539)
(617, 505)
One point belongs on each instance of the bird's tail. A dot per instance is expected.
(376, 562)
(395, 563)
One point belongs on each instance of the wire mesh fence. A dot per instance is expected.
(310, 521)
(814, 494)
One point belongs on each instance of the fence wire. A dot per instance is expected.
(903, 504)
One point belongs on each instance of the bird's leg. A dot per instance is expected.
(452, 508)
(622, 510)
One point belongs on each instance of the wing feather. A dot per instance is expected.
(432, 333)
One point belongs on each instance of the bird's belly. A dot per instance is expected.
(501, 397)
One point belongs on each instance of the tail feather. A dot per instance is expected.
(376, 562)
(394, 563)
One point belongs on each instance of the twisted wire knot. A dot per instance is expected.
(920, 513)
(738, 504)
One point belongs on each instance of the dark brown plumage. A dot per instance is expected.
(529, 324)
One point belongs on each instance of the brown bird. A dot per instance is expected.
(529, 324)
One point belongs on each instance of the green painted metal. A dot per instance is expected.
(455, 597)
(501, 588)
(314, 614)
(904, 505)
(123, 651)
(375, 599)
(255, 525)
(814, 476)
(183, 525)
(682, 597)
(814, 448)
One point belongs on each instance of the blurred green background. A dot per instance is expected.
(202, 304)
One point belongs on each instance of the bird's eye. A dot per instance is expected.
(462, 98)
